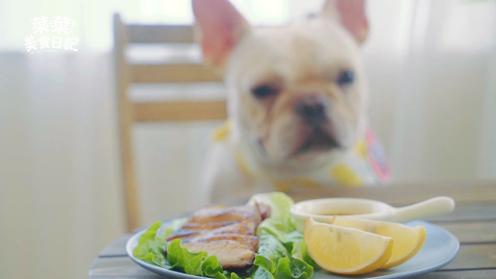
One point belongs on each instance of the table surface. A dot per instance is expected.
(473, 222)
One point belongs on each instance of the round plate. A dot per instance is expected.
(439, 249)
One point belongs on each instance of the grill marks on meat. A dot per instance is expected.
(231, 254)
(230, 214)
(227, 233)
(188, 231)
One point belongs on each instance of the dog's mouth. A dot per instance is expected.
(316, 140)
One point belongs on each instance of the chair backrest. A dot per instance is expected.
(131, 111)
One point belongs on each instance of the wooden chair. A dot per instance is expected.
(132, 112)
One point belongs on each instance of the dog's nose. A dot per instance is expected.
(312, 109)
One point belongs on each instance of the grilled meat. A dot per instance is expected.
(230, 253)
(191, 231)
(227, 233)
(229, 214)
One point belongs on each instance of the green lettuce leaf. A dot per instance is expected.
(262, 273)
(270, 250)
(227, 275)
(289, 268)
(282, 252)
(295, 244)
(194, 263)
(211, 267)
(276, 260)
(280, 220)
(299, 251)
(150, 248)
(152, 243)
(181, 259)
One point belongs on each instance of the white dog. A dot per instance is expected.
(297, 101)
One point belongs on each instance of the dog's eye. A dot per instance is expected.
(264, 91)
(345, 78)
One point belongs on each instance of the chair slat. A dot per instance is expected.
(160, 34)
(170, 73)
(185, 111)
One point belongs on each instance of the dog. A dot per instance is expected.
(297, 101)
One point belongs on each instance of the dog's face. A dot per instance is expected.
(297, 92)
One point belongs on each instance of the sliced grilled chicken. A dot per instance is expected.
(230, 253)
(227, 233)
(189, 231)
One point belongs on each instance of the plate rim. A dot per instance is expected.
(404, 274)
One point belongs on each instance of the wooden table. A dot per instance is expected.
(473, 222)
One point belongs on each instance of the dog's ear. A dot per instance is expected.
(220, 26)
(350, 14)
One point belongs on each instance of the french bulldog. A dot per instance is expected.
(297, 101)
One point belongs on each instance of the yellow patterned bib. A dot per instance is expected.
(364, 165)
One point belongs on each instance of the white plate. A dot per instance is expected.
(439, 249)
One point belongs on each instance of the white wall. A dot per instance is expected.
(59, 196)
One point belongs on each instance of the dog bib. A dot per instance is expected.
(364, 165)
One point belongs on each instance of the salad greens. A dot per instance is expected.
(281, 251)
(150, 246)
(281, 254)
(277, 262)
(198, 263)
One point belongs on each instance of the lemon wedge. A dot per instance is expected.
(407, 241)
(345, 250)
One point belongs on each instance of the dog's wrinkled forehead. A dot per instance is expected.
(304, 49)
